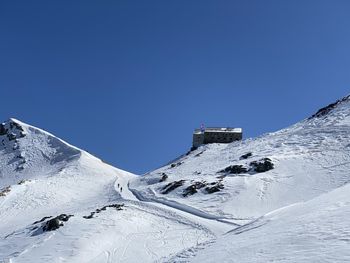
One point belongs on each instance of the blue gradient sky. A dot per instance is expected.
(129, 80)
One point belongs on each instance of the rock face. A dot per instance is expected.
(52, 224)
(164, 177)
(175, 164)
(234, 169)
(246, 156)
(12, 130)
(325, 110)
(56, 222)
(172, 186)
(215, 188)
(262, 165)
(3, 130)
(5, 190)
(259, 166)
(117, 207)
(192, 189)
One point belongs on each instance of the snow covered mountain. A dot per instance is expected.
(281, 197)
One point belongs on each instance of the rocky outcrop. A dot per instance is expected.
(172, 186)
(164, 177)
(246, 156)
(173, 165)
(259, 166)
(55, 223)
(117, 207)
(192, 189)
(5, 191)
(325, 110)
(216, 187)
(262, 165)
(234, 169)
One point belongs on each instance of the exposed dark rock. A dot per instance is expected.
(215, 188)
(199, 154)
(55, 223)
(234, 169)
(262, 165)
(99, 210)
(15, 146)
(11, 136)
(89, 216)
(164, 177)
(21, 182)
(21, 163)
(42, 220)
(172, 186)
(52, 224)
(3, 130)
(16, 125)
(64, 217)
(246, 156)
(325, 110)
(19, 168)
(175, 164)
(193, 148)
(5, 190)
(192, 189)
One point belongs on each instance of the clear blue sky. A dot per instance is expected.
(130, 80)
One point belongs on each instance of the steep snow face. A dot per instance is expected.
(27, 151)
(308, 159)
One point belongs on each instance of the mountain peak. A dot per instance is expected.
(25, 149)
(12, 129)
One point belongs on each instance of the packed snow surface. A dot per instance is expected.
(281, 197)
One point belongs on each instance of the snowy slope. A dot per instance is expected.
(310, 158)
(43, 177)
(281, 197)
(296, 212)
(314, 231)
